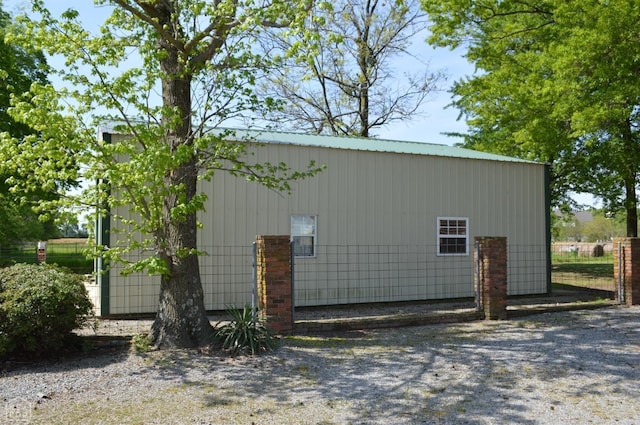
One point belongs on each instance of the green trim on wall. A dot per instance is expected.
(105, 239)
(547, 209)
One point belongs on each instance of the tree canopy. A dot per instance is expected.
(345, 82)
(19, 68)
(556, 82)
(166, 74)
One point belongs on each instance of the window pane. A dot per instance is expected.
(302, 225)
(453, 246)
(303, 246)
(303, 234)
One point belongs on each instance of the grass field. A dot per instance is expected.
(588, 272)
(66, 252)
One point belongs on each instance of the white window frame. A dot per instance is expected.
(443, 232)
(308, 228)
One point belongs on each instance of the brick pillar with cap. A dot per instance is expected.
(274, 281)
(626, 270)
(491, 256)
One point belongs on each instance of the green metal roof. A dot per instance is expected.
(354, 143)
(369, 144)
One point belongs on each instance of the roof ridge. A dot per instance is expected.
(370, 144)
(335, 136)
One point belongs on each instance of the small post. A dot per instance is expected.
(254, 290)
(42, 252)
(476, 280)
(293, 282)
(620, 275)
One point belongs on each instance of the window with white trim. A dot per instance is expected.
(303, 235)
(453, 236)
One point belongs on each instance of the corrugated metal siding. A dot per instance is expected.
(134, 293)
(368, 199)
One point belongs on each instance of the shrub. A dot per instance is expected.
(247, 333)
(39, 307)
(141, 343)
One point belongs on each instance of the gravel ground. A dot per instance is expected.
(576, 367)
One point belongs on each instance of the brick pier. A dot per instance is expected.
(491, 255)
(626, 270)
(274, 281)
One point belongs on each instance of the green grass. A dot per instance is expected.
(64, 253)
(568, 257)
(587, 272)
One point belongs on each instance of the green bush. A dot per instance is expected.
(39, 307)
(246, 333)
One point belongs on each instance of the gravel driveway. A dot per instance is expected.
(577, 367)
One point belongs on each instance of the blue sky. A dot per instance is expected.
(432, 120)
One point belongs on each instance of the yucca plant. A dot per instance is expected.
(246, 333)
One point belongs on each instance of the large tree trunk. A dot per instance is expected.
(630, 177)
(631, 206)
(365, 58)
(181, 319)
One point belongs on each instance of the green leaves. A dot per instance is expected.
(246, 333)
(39, 307)
(552, 75)
(158, 77)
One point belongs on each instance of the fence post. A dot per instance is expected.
(618, 271)
(626, 269)
(274, 281)
(476, 276)
(254, 290)
(491, 272)
(292, 262)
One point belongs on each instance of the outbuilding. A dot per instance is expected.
(386, 221)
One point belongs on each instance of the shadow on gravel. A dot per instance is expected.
(92, 352)
(572, 363)
(561, 367)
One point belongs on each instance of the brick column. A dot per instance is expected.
(491, 256)
(629, 267)
(274, 281)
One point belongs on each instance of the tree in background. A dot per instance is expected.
(557, 82)
(19, 68)
(165, 73)
(345, 82)
(595, 225)
(603, 228)
(72, 228)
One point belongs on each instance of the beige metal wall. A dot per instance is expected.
(366, 198)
